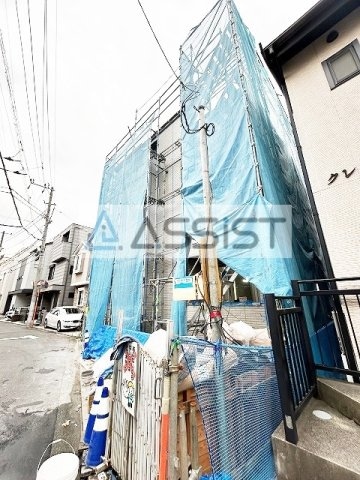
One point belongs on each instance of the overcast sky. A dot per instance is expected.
(103, 63)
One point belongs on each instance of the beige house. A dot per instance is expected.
(316, 63)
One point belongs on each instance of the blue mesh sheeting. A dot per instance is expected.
(238, 397)
(117, 241)
(221, 70)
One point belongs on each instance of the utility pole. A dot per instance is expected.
(36, 288)
(1, 240)
(208, 257)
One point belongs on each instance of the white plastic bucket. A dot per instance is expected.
(63, 466)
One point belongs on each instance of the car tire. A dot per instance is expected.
(58, 326)
(45, 323)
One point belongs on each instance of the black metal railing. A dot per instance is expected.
(318, 328)
(338, 305)
(293, 358)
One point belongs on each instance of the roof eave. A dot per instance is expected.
(314, 23)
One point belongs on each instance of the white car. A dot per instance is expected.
(63, 318)
(10, 313)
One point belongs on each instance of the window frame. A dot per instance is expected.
(51, 273)
(354, 49)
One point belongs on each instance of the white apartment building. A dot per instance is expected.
(316, 62)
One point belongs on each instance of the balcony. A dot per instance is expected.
(60, 251)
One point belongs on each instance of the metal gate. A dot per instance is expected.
(135, 440)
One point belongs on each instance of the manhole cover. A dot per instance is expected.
(321, 414)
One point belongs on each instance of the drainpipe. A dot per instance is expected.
(324, 249)
(345, 338)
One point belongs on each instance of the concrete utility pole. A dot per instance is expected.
(35, 292)
(208, 257)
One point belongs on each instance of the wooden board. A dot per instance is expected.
(184, 399)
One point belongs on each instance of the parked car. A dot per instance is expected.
(17, 314)
(10, 313)
(63, 318)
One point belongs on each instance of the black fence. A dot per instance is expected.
(316, 329)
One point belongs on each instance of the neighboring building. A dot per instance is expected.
(58, 267)
(16, 279)
(17, 274)
(80, 275)
(316, 62)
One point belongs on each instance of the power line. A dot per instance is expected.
(10, 226)
(34, 84)
(157, 41)
(24, 201)
(26, 86)
(28, 203)
(13, 198)
(12, 98)
(46, 119)
(13, 171)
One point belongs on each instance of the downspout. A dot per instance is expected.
(345, 338)
(324, 249)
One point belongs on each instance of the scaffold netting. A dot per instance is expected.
(117, 240)
(237, 392)
(253, 164)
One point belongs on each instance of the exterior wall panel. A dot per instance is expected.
(328, 123)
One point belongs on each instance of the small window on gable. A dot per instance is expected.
(343, 65)
(66, 236)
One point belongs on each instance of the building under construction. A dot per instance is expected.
(147, 268)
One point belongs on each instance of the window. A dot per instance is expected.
(79, 263)
(80, 297)
(71, 295)
(343, 66)
(71, 269)
(51, 272)
(66, 236)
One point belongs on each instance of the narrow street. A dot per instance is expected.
(40, 398)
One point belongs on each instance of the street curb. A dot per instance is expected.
(73, 333)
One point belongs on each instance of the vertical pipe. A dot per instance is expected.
(173, 406)
(164, 429)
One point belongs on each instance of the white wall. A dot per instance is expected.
(328, 123)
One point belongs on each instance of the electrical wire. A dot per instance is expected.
(13, 171)
(13, 198)
(34, 84)
(12, 99)
(208, 127)
(26, 85)
(46, 120)
(10, 226)
(157, 41)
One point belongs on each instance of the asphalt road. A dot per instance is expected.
(39, 399)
